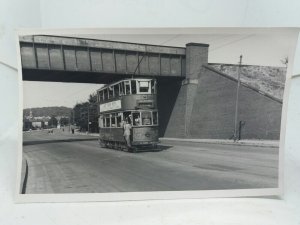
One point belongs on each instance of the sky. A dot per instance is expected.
(264, 47)
(44, 94)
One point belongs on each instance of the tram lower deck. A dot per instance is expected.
(143, 132)
(141, 138)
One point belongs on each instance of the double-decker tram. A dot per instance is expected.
(132, 102)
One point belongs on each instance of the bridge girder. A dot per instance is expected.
(49, 58)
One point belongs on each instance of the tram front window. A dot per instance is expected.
(127, 88)
(144, 87)
(119, 121)
(136, 118)
(105, 94)
(116, 90)
(146, 118)
(111, 92)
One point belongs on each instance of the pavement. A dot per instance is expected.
(71, 163)
(245, 142)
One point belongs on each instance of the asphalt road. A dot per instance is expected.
(66, 163)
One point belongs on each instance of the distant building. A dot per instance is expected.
(35, 122)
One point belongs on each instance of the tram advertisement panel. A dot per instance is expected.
(110, 106)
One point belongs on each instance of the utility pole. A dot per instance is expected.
(73, 111)
(235, 136)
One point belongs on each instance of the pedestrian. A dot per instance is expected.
(127, 132)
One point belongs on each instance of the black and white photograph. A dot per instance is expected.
(152, 112)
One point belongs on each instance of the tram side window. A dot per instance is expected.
(116, 90)
(133, 86)
(146, 118)
(105, 93)
(127, 116)
(144, 87)
(136, 118)
(119, 121)
(101, 122)
(122, 88)
(101, 96)
(107, 122)
(113, 121)
(111, 92)
(155, 118)
(127, 87)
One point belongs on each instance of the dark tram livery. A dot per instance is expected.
(133, 100)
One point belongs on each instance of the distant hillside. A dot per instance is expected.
(268, 79)
(48, 111)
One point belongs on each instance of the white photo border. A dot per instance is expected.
(157, 195)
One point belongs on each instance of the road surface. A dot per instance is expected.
(66, 163)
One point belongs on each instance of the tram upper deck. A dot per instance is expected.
(128, 94)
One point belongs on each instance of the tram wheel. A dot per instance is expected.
(124, 147)
(155, 148)
(133, 149)
(102, 144)
(118, 147)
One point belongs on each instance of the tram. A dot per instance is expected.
(132, 100)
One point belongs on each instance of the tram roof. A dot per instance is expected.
(141, 79)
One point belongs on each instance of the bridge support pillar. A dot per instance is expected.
(179, 123)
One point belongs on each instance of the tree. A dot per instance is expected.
(64, 121)
(285, 61)
(80, 116)
(85, 114)
(93, 98)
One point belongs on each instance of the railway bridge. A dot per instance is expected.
(53, 58)
(194, 99)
